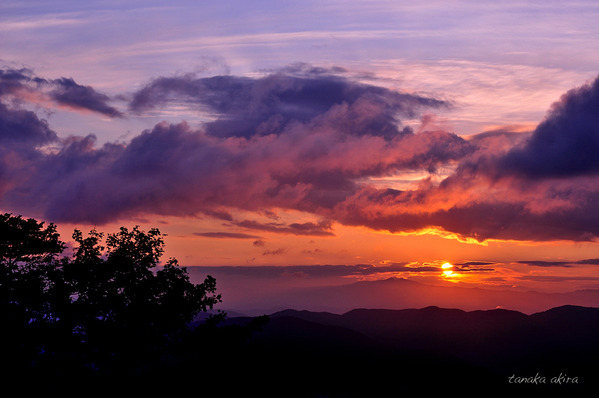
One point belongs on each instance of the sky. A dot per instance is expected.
(369, 139)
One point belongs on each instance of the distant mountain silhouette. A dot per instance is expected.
(398, 293)
(479, 336)
(380, 352)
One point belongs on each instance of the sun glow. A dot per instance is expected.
(447, 269)
(438, 231)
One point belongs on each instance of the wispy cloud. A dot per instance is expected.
(565, 264)
(226, 235)
(43, 22)
(322, 228)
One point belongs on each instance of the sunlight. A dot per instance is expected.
(438, 231)
(447, 270)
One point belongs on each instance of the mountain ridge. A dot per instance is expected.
(561, 337)
(369, 352)
(401, 293)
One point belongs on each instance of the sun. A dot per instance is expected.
(447, 269)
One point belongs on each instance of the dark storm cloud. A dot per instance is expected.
(25, 86)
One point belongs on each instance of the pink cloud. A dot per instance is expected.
(311, 141)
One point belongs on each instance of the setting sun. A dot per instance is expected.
(447, 269)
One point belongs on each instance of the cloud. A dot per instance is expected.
(19, 128)
(322, 228)
(540, 187)
(329, 133)
(67, 92)
(312, 140)
(259, 243)
(247, 107)
(322, 271)
(470, 268)
(541, 263)
(275, 252)
(225, 235)
(566, 264)
(480, 211)
(557, 278)
(565, 144)
(474, 263)
(24, 85)
(22, 134)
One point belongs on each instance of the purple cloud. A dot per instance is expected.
(312, 140)
(22, 134)
(247, 107)
(565, 144)
(23, 84)
(312, 162)
(67, 92)
(20, 127)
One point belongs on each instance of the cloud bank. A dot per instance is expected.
(306, 139)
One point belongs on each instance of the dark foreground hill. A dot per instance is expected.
(372, 353)
(498, 339)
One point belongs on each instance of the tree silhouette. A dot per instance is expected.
(110, 309)
(28, 253)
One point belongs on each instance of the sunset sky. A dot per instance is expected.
(384, 138)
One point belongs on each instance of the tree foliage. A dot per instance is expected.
(109, 308)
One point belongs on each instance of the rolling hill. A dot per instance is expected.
(381, 352)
